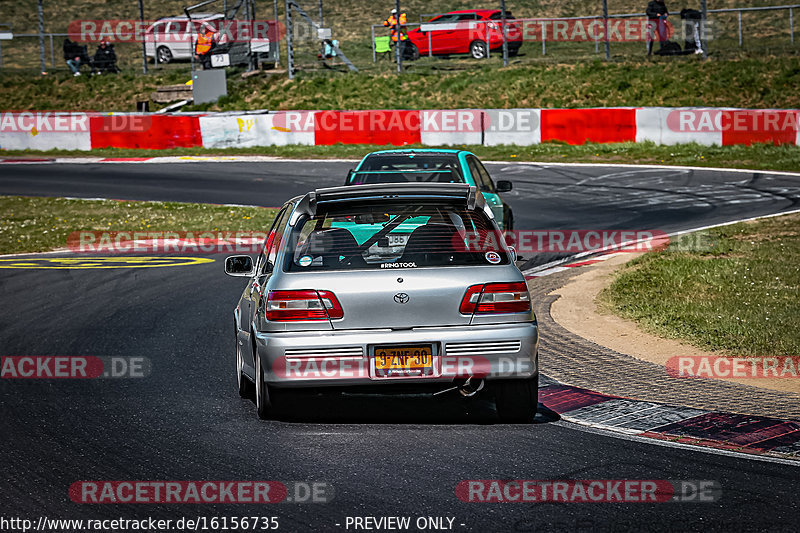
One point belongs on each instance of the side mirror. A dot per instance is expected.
(503, 186)
(349, 176)
(239, 265)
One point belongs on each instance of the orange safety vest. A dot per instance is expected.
(204, 42)
(392, 23)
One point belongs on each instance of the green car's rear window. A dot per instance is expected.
(402, 168)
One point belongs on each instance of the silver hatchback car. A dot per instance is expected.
(387, 287)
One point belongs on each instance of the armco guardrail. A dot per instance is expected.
(522, 127)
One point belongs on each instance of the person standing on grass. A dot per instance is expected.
(691, 22)
(206, 40)
(657, 14)
(392, 22)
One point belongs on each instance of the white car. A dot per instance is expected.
(170, 38)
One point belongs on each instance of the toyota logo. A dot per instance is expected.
(401, 298)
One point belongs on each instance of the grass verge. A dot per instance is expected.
(39, 224)
(757, 156)
(742, 296)
(755, 82)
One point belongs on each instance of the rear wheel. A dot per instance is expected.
(517, 399)
(410, 51)
(246, 387)
(263, 403)
(477, 49)
(164, 54)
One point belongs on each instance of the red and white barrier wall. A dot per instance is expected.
(489, 127)
(717, 126)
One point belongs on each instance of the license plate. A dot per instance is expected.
(397, 240)
(220, 60)
(408, 360)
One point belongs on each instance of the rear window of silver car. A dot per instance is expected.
(394, 236)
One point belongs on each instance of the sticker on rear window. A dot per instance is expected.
(493, 257)
(304, 261)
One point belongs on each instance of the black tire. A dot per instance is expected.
(263, 403)
(164, 55)
(517, 399)
(410, 52)
(245, 386)
(477, 49)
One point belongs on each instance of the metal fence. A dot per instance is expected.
(748, 29)
(718, 28)
(13, 49)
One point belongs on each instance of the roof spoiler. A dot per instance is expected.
(468, 194)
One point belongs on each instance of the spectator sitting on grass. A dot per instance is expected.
(76, 56)
(105, 59)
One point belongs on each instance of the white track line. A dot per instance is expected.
(631, 165)
(268, 158)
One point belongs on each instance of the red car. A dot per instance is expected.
(465, 32)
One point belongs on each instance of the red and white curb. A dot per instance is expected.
(542, 271)
(747, 434)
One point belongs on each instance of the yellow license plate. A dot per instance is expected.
(400, 360)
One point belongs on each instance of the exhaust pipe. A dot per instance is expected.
(471, 388)
(467, 389)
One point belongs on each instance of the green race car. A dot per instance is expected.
(434, 165)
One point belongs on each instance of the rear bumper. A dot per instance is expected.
(347, 358)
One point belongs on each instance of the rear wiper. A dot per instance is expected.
(402, 217)
(392, 224)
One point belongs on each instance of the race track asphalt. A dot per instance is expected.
(382, 457)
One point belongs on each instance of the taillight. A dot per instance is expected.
(302, 305)
(470, 299)
(495, 298)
